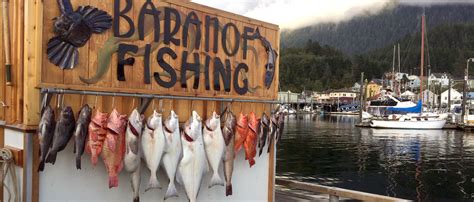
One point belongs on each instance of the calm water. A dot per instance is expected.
(409, 164)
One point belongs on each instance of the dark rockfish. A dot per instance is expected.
(62, 133)
(45, 134)
(228, 131)
(281, 126)
(263, 129)
(273, 130)
(81, 133)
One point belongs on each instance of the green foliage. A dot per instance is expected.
(316, 67)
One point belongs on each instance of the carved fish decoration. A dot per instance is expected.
(271, 57)
(73, 29)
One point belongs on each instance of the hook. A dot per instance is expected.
(113, 101)
(95, 102)
(133, 103)
(161, 106)
(82, 99)
(57, 101)
(62, 101)
(153, 104)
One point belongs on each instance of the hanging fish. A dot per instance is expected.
(132, 159)
(281, 126)
(214, 145)
(228, 132)
(263, 132)
(45, 134)
(193, 165)
(113, 150)
(80, 135)
(242, 131)
(153, 144)
(97, 135)
(73, 29)
(173, 151)
(250, 143)
(273, 131)
(62, 134)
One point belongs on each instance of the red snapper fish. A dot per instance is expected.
(242, 130)
(97, 134)
(250, 143)
(113, 150)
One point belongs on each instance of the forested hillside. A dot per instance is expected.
(368, 32)
(316, 67)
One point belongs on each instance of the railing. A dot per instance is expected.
(336, 193)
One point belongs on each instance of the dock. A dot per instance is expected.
(290, 190)
(448, 126)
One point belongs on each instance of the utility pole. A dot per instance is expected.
(361, 97)
(449, 95)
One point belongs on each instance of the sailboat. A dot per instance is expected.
(411, 117)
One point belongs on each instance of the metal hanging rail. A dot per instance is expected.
(172, 97)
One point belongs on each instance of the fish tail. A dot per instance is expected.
(251, 162)
(51, 158)
(216, 180)
(113, 181)
(94, 160)
(153, 183)
(78, 162)
(171, 192)
(260, 151)
(136, 199)
(228, 190)
(41, 166)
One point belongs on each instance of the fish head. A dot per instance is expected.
(243, 119)
(214, 122)
(48, 113)
(67, 113)
(100, 118)
(195, 124)
(172, 121)
(117, 122)
(136, 120)
(85, 111)
(155, 120)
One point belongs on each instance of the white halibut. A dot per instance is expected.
(132, 159)
(193, 165)
(153, 145)
(172, 153)
(214, 145)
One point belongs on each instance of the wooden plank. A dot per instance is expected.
(17, 155)
(2, 73)
(345, 193)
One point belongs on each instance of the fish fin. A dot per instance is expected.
(99, 20)
(62, 54)
(78, 162)
(94, 160)
(41, 166)
(153, 183)
(171, 192)
(251, 162)
(136, 199)
(74, 151)
(51, 157)
(133, 148)
(216, 180)
(228, 190)
(113, 181)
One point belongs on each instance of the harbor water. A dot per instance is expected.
(428, 165)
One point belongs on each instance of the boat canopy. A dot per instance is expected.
(415, 109)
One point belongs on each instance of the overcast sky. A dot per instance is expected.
(298, 13)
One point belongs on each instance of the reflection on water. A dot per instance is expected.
(411, 164)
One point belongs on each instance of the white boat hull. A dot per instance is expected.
(408, 124)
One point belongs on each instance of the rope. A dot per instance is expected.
(8, 167)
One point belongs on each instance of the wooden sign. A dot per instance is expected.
(172, 48)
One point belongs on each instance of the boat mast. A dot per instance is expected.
(399, 70)
(393, 70)
(422, 54)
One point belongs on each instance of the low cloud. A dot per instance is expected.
(292, 14)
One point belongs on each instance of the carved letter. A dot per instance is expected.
(163, 64)
(236, 40)
(122, 62)
(185, 66)
(214, 22)
(169, 34)
(207, 79)
(122, 14)
(141, 20)
(220, 72)
(241, 90)
(246, 37)
(192, 18)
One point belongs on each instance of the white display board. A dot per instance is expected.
(63, 182)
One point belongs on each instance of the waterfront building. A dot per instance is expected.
(456, 97)
(373, 88)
